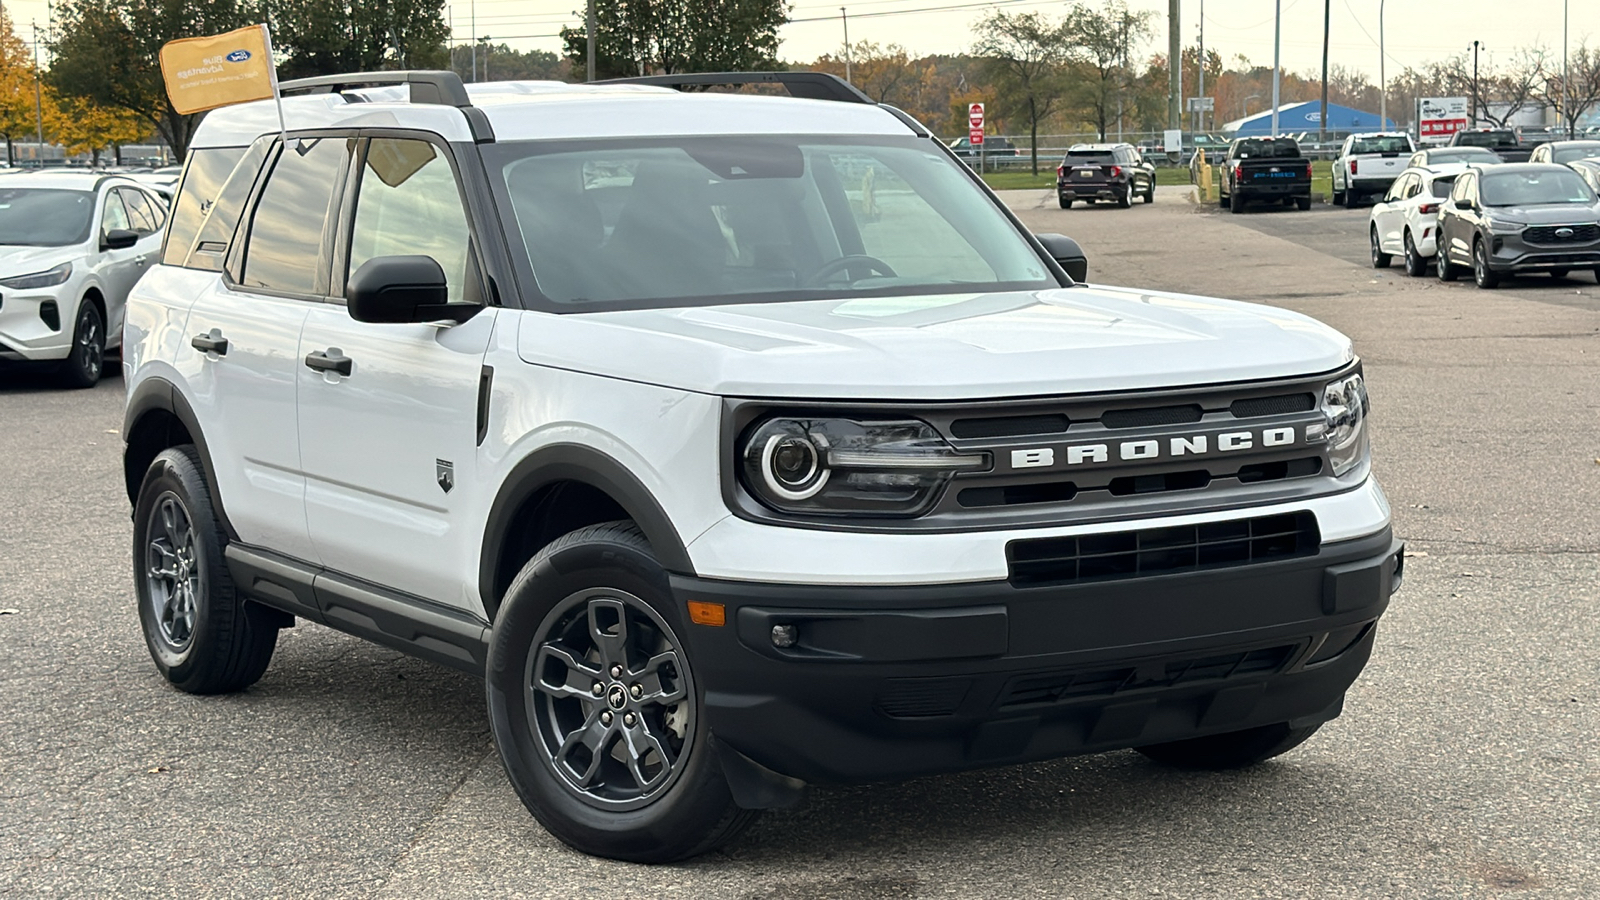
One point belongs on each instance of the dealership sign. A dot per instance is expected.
(1441, 117)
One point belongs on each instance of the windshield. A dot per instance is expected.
(1380, 144)
(627, 224)
(1576, 151)
(45, 217)
(1527, 188)
(1485, 139)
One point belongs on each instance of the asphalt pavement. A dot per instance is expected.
(1467, 763)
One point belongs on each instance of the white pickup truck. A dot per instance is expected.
(1368, 164)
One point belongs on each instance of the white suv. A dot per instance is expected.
(71, 247)
(1405, 222)
(738, 442)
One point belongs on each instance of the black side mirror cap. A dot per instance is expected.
(118, 239)
(402, 289)
(1068, 254)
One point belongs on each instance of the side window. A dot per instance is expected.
(1460, 190)
(221, 217)
(408, 203)
(1413, 186)
(141, 216)
(284, 252)
(116, 216)
(208, 168)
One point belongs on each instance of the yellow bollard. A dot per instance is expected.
(1205, 182)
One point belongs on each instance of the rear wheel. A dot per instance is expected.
(1302, 203)
(1351, 199)
(594, 706)
(1484, 276)
(1125, 199)
(1065, 203)
(1380, 259)
(1444, 268)
(1235, 203)
(1416, 265)
(87, 359)
(1233, 750)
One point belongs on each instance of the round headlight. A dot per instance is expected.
(791, 465)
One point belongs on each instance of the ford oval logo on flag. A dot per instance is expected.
(239, 56)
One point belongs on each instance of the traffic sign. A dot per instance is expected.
(975, 136)
(1202, 104)
(975, 116)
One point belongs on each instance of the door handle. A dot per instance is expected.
(213, 342)
(330, 360)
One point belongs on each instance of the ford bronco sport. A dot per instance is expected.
(738, 442)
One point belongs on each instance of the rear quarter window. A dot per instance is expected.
(203, 178)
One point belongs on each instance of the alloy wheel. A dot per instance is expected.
(89, 342)
(172, 572)
(610, 699)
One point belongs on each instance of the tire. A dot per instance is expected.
(1416, 265)
(1380, 259)
(1302, 203)
(645, 808)
(1235, 204)
(203, 636)
(1065, 203)
(1233, 750)
(1597, 274)
(1445, 269)
(1482, 275)
(1352, 200)
(1150, 192)
(1125, 199)
(85, 363)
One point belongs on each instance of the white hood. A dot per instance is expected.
(941, 347)
(16, 261)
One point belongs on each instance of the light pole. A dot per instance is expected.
(1572, 121)
(588, 31)
(38, 94)
(1200, 115)
(1277, 70)
(1383, 81)
(485, 42)
(845, 17)
(1476, 45)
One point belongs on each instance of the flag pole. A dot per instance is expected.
(272, 69)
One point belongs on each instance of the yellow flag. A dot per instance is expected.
(207, 72)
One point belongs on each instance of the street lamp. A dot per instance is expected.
(1383, 81)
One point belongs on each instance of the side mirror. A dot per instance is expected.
(1066, 251)
(400, 289)
(118, 239)
(1466, 203)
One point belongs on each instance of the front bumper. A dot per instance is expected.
(888, 682)
(26, 320)
(1512, 254)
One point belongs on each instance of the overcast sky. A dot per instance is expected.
(1417, 30)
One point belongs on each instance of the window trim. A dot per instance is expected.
(238, 247)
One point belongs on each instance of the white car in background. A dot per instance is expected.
(71, 247)
(1405, 222)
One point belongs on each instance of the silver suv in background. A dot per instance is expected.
(1368, 164)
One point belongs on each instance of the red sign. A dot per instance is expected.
(975, 136)
(975, 116)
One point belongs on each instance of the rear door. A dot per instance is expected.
(390, 450)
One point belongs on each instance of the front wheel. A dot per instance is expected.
(1482, 275)
(1233, 750)
(594, 706)
(1380, 259)
(1150, 192)
(203, 637)
(87, 359)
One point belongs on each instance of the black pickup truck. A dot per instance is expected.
(1269, 170)
(1503, 141)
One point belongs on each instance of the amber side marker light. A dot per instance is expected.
(707, 613)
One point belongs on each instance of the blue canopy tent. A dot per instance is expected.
(1294, 118)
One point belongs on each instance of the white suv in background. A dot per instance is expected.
(71, 247)
(737, 442)
(1368, 164)
(1405, 222)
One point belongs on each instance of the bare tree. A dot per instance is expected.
(1498, 94)
(1103, 42)
(1023, 58)
(1582, 88)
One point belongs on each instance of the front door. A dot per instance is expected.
(390, 449)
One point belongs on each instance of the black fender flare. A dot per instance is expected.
(159, 394)
(576, 462)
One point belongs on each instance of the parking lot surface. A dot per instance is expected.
(1467, 763)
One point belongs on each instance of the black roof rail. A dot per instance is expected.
(435, 87)
(808, 85)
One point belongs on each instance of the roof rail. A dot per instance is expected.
(808, 85)
(435, 87)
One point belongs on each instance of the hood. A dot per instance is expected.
(941, 347)
(1546, 213)
(16, 261)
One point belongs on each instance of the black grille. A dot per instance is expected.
(1009, 426)
(1547, 234)
(1049, 688)
(1281, 405)
(1151, 417)
(1151, 551)
(917, 698)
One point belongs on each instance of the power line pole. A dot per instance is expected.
(588, 30)
(1174, 64)
(1277, 67)
(1383, 81)
(474, 26)
(1200, 115)
(1327, 19)
(38, 93)
(845, 17)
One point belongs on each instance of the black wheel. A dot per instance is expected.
(1444, 268)
(1416, 265)
(1597, 273)
(1351, 199)
(1481, 273)
(1065, 202)
(1302, 203)
(1558, 273)
(203, 636)
(594, 706)
(1235, 203)
(84, 364)
(1150, 192)
(1233, 750)
(1125, 199)
(1380, 259)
